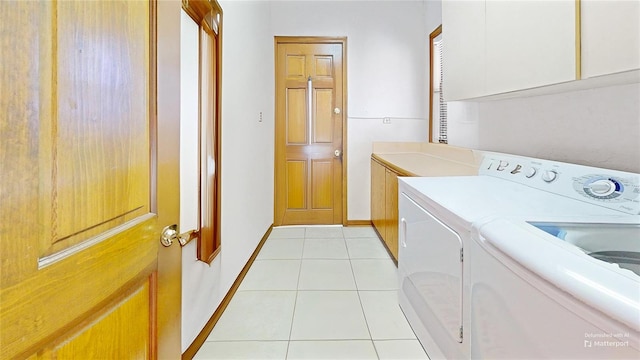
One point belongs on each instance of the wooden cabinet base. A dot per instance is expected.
(384, 204)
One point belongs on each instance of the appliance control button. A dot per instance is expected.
(602, 187)
(531, 172)
(549, 175)
(502, 165)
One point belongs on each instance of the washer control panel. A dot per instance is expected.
(601, 187)
(613, 189)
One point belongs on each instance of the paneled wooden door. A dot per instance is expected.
(82, 205)
(309, 125)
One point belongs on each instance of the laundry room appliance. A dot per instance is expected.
(467, 295)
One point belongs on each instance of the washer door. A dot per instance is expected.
(430, 265)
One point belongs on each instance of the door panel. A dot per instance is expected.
(296, 184)
(323, 116)
(324, 66)
(80, 229)
(95, 129)
(322, 182)
(296, 117)
(308, 174)
(98, 336)
(36, 310)
(295, 66)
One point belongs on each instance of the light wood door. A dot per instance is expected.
(82, 273)
(309, 131)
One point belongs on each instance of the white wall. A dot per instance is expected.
(386, 43)
(247, 162)
(596, 127)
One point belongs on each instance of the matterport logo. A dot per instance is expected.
(606, 340)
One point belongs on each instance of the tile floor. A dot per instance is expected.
(316, 293)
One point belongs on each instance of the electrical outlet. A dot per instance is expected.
(386, 120)
(260, 117)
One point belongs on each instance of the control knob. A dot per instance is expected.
(602, 187)
(549, 175)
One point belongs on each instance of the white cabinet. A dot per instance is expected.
(493, 47)
(463, 24)
(610, 36)
(529, 44)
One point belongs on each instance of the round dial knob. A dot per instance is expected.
(549, 176)
(602, 187)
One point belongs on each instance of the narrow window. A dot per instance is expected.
(437, 105)
(207, 15)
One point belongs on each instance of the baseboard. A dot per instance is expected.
(208, 327)
(359, 223)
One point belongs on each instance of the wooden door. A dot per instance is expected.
(82, 272)
(310, 81)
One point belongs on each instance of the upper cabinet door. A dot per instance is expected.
(463, 37)
(493, 47)
(529, 44)
(610, 37)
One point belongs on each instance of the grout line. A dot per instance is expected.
(295, 302)
(364, 315)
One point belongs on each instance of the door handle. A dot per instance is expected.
(310, 107)
(337, 153)
(170, 234)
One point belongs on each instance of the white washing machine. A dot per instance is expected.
(466, 296)
(536, 295)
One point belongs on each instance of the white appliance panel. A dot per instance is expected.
(604, 286)
(517, 314)
(430, 265)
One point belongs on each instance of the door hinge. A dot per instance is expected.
(461, 254)
(461, 333)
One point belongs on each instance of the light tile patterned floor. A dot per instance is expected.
(316, 293)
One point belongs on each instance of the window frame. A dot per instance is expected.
(207, 14)
(435, 33)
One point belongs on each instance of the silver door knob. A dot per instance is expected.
(337, 153)
(336, 111)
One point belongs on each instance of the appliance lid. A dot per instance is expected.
(603, 286)
(613, 243)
